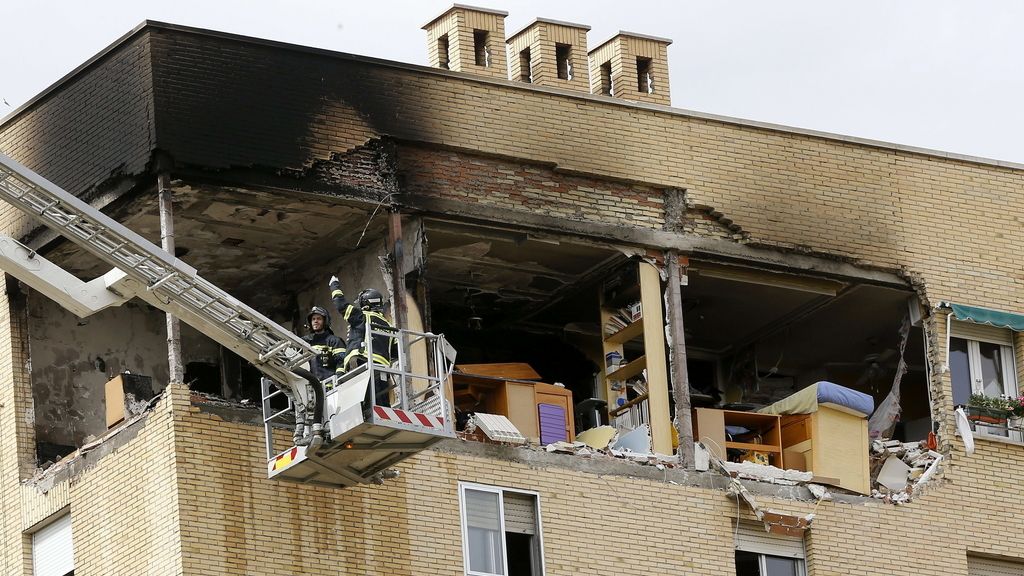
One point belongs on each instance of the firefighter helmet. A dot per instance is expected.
(371, 299)
(322, 312)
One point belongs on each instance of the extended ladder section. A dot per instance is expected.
(144, 270)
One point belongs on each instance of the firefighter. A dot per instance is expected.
(368, 307)
(330, 350)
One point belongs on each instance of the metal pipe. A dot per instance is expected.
(176, 372)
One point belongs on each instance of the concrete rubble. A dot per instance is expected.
(915, 458)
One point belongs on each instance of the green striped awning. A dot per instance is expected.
(986, 316)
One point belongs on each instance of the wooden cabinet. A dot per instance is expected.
(543, 413)
(831, 442)
(764, 433)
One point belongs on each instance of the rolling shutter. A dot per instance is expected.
(520, 513)
(754, 538)
(52, 553)
(981, 332)
(977, 566)
(482, 510)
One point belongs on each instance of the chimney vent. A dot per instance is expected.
(550, 53)
(632, 67)
(468, 39)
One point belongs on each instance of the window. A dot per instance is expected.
(563, 60)
(644, 80)
(525, 71)
(606, 78)
(500, 531)
(52, 553)
(481, 52)
(981, 362)
(442, 52)
(761, 553)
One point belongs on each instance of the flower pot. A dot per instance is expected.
(986, 415)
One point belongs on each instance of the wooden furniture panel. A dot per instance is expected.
(833, 443)
(795, 429)
(508, 370)
(516, 400)
(710, 425)
(558, 396)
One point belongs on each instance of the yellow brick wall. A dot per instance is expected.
(951, 221)
(459, 24)
(541, 38)
(235, 521)
(124, 510)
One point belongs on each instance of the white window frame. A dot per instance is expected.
(762, 564)
(751, 538)
(1009, 366)
(463, 486)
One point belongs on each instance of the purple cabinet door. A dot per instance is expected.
(552, 424)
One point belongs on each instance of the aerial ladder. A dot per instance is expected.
(336, 440)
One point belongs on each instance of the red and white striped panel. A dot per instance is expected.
(406, 417)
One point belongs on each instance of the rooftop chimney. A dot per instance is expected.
(632, 67)
(468, 39)
(550, 53)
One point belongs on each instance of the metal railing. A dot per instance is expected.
(418, 380)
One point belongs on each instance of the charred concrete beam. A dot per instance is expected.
(709, 248)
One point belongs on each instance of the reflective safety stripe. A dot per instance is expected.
(378, 315)
(337, 350)
(337, 293)
(348, 311)
(377, 358)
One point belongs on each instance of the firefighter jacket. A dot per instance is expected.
(330, 353)
(383, 348)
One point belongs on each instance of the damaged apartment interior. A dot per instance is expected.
(552, 332)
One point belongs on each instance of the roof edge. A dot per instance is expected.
(518, 86)
(457, 6)
(540, 20)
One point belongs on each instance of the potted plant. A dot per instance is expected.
(992, 409)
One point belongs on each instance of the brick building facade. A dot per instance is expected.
(517, 199)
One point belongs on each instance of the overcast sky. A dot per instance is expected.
(940, 74)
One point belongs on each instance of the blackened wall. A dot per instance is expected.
(95, 126)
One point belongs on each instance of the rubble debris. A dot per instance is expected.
(752, 471)
(901, 469)
(894, 474)
(819, 492)
(597, 438)
(701, 457)
(637, 441)
(774, 522)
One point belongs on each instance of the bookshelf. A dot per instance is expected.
(633, 328)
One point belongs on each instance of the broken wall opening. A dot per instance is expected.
(520, 308)
(755, 337)
(265, 248)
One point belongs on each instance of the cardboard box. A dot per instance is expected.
(127, 395)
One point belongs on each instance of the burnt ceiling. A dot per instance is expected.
(499, 278)
(255, 244)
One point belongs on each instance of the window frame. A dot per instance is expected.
(464, 525)
(1008, 368)
(52, 526)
